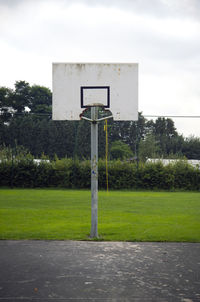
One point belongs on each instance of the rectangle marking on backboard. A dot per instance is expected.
(94, 96)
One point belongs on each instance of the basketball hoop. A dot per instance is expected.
(79, 86)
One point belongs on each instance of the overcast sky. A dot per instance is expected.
(163, 36)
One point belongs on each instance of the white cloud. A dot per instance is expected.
(162, 35)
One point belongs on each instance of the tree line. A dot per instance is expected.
(26, 120)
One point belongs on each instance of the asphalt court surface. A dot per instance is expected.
(99, 271)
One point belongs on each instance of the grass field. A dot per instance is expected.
(123, 216)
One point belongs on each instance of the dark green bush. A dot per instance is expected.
(122, 175)
(61, 173)
(69, 173)
(24, 173)
(44, 175)
(186, 177)
(6, 169)
(151, 175)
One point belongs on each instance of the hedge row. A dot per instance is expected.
(70, 173)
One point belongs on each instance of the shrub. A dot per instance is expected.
(186, 176)
(69, 173)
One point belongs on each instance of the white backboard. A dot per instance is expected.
(79, 85)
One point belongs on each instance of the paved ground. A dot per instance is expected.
(99, 271)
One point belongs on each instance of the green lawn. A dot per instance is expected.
(123, 216)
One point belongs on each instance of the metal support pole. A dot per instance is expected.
(94, 173)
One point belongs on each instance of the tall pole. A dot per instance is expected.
(94, 173)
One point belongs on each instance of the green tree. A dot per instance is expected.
(120, 150)
(148, 147)
(20, 98)
(191, 147)
(61, 140)
(40, 99)
(83, 140)
(25, 120)
(164, 131)
(129, 132)
(5, 104)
